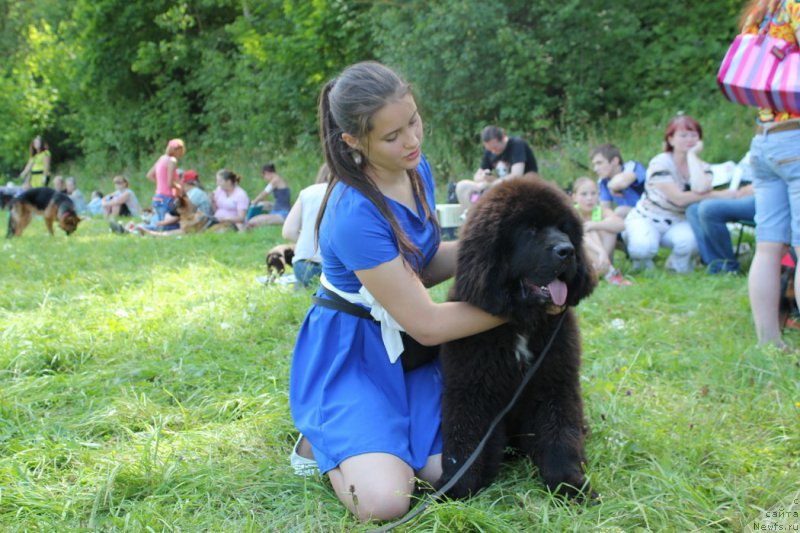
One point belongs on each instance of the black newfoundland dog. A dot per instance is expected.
(520, 256)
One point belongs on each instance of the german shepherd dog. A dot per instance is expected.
(192, 220)
(43, 201)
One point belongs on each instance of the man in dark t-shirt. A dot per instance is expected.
(504, 158)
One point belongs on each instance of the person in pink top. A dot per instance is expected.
(229, 202)
(165, 175)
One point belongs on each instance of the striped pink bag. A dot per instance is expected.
(762, 71)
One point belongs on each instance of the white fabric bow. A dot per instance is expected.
(390, 328)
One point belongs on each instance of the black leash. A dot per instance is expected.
(471, 459)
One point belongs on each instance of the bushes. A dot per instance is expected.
(228, 73)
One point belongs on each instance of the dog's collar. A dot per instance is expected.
(553, 309)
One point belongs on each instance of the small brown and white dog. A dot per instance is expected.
(52, 205)
(278, 258)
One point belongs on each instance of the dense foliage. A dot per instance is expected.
(110, 80)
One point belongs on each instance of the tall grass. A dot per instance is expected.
(144, 388)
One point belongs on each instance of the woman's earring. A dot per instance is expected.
(357, 157)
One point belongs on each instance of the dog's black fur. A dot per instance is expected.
(278, 258)
(520, 236)
(44, 201)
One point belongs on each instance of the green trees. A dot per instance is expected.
(111, 80)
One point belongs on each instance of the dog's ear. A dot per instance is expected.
(585, 278)
(483, 272)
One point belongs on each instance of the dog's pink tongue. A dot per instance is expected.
(558, 291)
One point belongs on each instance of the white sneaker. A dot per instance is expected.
(302, 466)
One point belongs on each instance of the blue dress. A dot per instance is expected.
(344, 394)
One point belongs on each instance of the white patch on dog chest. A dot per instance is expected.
(524, 355)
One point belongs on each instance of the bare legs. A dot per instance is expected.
(378, 486)
(764, 283)
(111, 211)
(264, 220)
(600, 247)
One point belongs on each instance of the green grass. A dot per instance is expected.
(144, 387)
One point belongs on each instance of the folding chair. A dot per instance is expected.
(742, 225)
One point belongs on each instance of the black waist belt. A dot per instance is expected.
(340, 304)
(414, 354)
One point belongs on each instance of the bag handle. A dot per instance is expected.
(773, 8)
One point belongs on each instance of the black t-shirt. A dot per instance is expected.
(517, 151)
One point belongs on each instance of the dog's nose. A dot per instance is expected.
(564, 250)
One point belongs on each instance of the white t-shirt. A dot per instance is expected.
(133, 202)
(310, 200)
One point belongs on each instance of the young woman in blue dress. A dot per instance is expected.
(372, 426)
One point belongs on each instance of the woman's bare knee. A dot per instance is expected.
(374, 486)
(432, 470)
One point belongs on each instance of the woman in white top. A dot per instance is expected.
(299, 227)
(676, 178)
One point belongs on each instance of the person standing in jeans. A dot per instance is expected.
(164, 174)
(775, 158)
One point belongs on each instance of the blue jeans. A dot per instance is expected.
(305, 271)
(162, 205)
(708, 219)
(775, 158)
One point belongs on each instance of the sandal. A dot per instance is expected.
(303, 466)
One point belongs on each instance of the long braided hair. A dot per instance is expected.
(346, 105)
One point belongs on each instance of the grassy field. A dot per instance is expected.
(144, 388)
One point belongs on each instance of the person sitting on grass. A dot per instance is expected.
(620, 183)
(299, 227)
(59, 185)
(196, 192)
(676, 178)
(95, 206)
(229, 202)
(600, 229)
(278, 210)
(504, 158)
(76, 195)
(122, 202)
